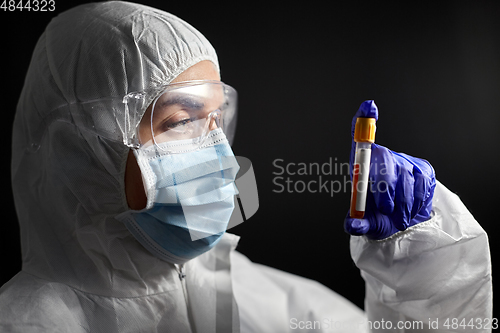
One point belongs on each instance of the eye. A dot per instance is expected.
(171, 125)
(176, 121)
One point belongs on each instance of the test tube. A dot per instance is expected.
(364, 136)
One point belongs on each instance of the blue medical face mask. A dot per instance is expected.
(190, 198)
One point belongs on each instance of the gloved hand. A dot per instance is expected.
(401, 191)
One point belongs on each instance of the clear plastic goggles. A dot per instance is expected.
(181, 114)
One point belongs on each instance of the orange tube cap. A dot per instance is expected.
(365, 130)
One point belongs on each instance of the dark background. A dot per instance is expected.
(301, 72)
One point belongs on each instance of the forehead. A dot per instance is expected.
(203, 70)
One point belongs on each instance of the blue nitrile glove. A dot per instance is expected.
(401, 191)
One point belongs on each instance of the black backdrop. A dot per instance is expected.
(301, 72)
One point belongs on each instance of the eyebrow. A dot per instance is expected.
(184, 101)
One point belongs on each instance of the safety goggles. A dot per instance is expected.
(179, 114)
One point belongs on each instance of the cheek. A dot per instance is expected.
(134, 188)
(144, 133)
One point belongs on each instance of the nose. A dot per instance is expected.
(215, 120)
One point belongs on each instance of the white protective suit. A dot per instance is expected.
(83, 271)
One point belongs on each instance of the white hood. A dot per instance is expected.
(68, 158)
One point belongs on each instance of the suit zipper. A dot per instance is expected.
(182, 277)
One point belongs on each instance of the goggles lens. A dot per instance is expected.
(187, 111)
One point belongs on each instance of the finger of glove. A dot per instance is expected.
(367, 109)
(425, 212)
(373, 225)
(383, 177)
(403, 198)
(356, 227)
(424, 176)
(419, 192)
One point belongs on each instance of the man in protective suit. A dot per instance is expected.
(86, 171)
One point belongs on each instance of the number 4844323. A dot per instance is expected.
(28, 5)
